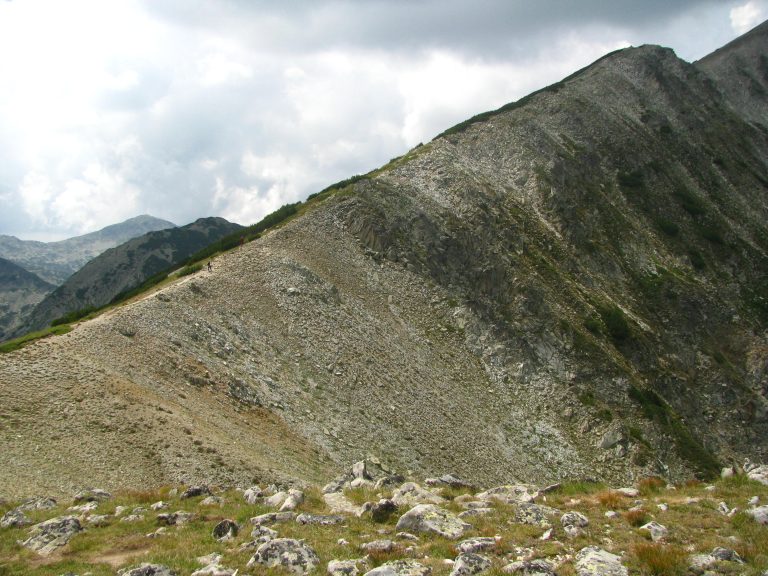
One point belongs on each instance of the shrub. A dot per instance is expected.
(615, 322)
(633, 179)
(690, 202)
(191, 269)
(73, 316)
(668, 227)
(697, 260)
(593, 324)
(611, 499)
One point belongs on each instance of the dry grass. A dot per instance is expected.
(612, 500)
(651, 485)
(636, 518)
(660, 559)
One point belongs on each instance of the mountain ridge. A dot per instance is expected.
(571, 288)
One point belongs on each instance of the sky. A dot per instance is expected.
(232, 108)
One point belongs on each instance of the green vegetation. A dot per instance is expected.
(17, 343)
(690, 202)
(615, 322)
(340, 185)
(633, 179)
(73, 316)
(191, 269)
(656, 409)
(668, 227)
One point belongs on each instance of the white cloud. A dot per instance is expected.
(747, 16)
(36, 193)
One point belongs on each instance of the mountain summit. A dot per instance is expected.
(573, 285)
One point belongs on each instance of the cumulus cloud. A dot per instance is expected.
(234, 107)
(747, 16)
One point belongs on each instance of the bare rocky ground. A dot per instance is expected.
(292, 358)
(389, 526)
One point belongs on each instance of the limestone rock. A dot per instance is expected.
(175, 518)
(469, 563)
(475, 512)
(628, 492)
(214, 570)
(573, 523)
(293, 555)
(99, 520)
(448, 480)
(759, 474)
(432, 519)
(277, 499)
(47, 536)
(338, 503)
(760, 514)
(14, 519)
(382, 510)
(344, 567)
(360, 470)
(212, 501)
(475, 544)
(37, 503)
(411, 494)
(226, 530)
(400, 568)
(292, 501)
(253, 495)
(273, 518)
(612, 437)
(534, 514)
(92, 495)
(530, 568)
(194, 491)
(319, 519)
(510, 493)
(263, 534)
(594, 561)
(159, 505)
(147, 570)
(378, 546)
(656, 530)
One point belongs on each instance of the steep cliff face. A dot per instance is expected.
(571, 286)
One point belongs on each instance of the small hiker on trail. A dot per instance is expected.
(210, 268)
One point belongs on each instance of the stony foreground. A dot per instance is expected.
(372, 523)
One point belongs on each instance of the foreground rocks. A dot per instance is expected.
(526, 531)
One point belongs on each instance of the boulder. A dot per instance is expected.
(573, 523)
(530, 568)
(263, 534)
(760, 514)
(273, 518)
(47, 536)
(338, 503)
(534, 514)
(759, 474)
(727, 555)
(450, 481)
(175, 518)
(360, 470)
(400, 568)
(212, 501)
(293, 555)
(594, 561)
(378, 546)
(37, 503)
(14, 519)
(469, 563)
(628, 492)
(294, 498)
(226, 530)
(319, 519)
(411, 494)
(344, 567)
(382, 510)
(214, 570)
(432, 519)
(612, 437)
(475, 545)
(656, 530)
(253, 495)
(92, 495)
(193, 491)
(147, 570)
(510, 493)
(277, 499)
(475, 512)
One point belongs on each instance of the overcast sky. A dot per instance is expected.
(183, 109)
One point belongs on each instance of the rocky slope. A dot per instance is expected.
(124, 267)
(571, 286)
(20, 291)
(54, 262)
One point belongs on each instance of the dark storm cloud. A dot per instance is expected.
(490, 28)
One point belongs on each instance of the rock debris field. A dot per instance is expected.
(369, 522)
